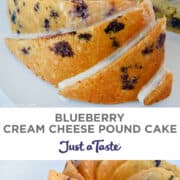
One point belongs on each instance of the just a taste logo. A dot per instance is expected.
(95, 145)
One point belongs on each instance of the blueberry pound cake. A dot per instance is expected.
(170, 9)
(118, 56)
(37, 16)
(154, 174)
(117, 170)
(122, 80)
(55, 58)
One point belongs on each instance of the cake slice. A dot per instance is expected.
(170, 9)
(121, 170)
(106, 168)
(158, 88)
(55, 58)
(53, 175)
(81, 169)
(154, 174)
(32, 16)
(88, 169)
(131, 168)
(121, 80)
(72, 171)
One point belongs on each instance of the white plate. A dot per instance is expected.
(25, 89)
(32, 170)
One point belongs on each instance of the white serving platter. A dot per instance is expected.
(24, 89)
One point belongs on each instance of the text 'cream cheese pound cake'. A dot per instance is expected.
(55, 58)
(118, 170)
(170, 9)
(37, 16)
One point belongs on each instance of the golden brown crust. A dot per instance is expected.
(122, 80)
(71, 171)
(105, 169)
(88, 169)
(162, 91)
(170, 167)
(81, 170)
(123, 170)
(154, 174)
(53, 175)
(46, 56)
(56, 14)
(130, 168)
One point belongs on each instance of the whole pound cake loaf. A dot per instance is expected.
(119, 170)
(170, 9)
(55, 58)
(35, 16)
(121, 80)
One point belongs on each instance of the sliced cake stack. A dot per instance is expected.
(114, 53)
(117, 170)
